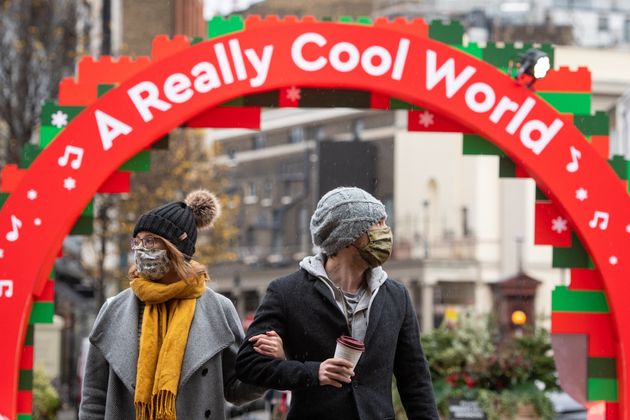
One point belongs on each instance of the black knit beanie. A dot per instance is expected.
(178, 221)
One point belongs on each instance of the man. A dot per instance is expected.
(342, 291)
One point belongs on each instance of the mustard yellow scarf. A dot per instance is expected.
(166, 321)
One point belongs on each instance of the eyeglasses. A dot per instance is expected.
(148, 242)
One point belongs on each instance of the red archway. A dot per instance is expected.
(419, 70)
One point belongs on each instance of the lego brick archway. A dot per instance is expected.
(390, 59)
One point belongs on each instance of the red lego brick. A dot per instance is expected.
(602, 145)
(26, 358)
(585, 279)
(598, 326)
(118, 182)
(108, 71)
(163, 46)
(565, 80)
(11, 177)
(73, 93)
(227, 117)
(48, 293)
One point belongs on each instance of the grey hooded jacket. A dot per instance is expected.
(207, 374)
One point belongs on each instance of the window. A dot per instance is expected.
(259, 141)
(626, 30)
(296, 135)
(602, 23)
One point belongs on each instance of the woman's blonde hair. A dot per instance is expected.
(187, 270)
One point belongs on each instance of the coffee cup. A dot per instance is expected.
(350, 349)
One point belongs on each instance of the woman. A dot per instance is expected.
(165, 347)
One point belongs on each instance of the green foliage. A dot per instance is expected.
(46, 400)
(471, 361)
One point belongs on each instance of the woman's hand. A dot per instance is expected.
(268, 344)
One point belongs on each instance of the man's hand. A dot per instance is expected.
(268, 344)
(335, 372)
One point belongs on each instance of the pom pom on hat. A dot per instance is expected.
(205, 207)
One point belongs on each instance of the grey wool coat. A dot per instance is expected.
(207, 374)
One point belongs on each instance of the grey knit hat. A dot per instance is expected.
(342, 215)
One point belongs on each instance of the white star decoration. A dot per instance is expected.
(294, 94)
(31, 194)
(69, 183)
(1, 253)
(581, 194)
(613, 260)
(59, 119)
(559, 225)
(426, 119)
(37, 221)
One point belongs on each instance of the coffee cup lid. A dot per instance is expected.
(353, 343)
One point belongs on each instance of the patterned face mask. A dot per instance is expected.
(378, 250)
(152, 264)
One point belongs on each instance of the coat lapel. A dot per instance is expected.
(376, 309)
(116, 336)
(209, 334)
(323, 290)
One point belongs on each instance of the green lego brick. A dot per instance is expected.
(140, 162)
(326, 19)
(3, 198)
(196, 40)
(161, 144)
(26, 380)
(620, 166)
(472, 48)
(50, 108)
(83, 226)
(576, 103)
(398, 104)
(30, 335)
(500, 56)
(29, 154)
(219, 25)
(450, 33)
(42, 313)
(361, 20)
(507, 168)
(47, 134)
(103, 89)
(602, 367)
(602, 389)
(477, 145)
(565, 300)
(24, 417)
(593, 125)
(574, 256)
(89, 209)
(52, 274)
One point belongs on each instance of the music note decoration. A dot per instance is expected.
(8, 286)
(70, 151)
(574, 165)
(601, 218)
(14, 234)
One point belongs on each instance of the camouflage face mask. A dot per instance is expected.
(152, 264)
(378, 250)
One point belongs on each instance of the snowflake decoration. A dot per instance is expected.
(37, 221)
(31, 195)
(59, 119)
(69, 183)
(426, 119)
(294, 94)
(581, 194)
(613, 260)
(559, 225)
